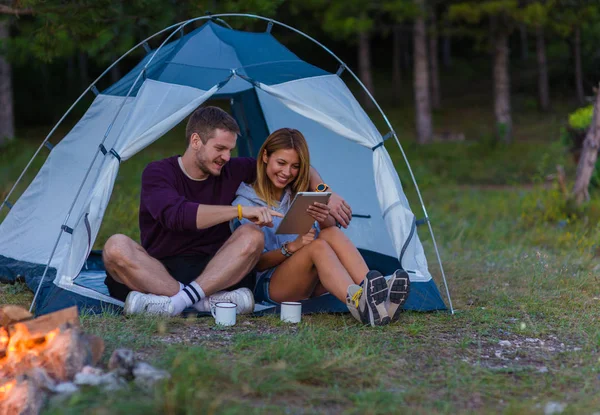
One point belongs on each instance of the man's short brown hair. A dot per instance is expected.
(204, 121)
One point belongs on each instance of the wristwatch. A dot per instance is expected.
(321, 187)
(285, 251)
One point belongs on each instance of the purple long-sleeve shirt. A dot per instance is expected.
(169, 203)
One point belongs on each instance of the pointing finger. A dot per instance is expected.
(275, 213)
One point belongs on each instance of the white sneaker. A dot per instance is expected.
(138, 303)
(242, 297)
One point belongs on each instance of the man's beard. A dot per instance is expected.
(202, 164)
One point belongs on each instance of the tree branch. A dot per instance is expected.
(4, 9)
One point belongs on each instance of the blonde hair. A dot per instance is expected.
(282, 139)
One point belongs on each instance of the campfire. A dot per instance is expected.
(36, 354)
(52, 355)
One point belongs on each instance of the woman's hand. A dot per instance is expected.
(319, 211)
(302, 240)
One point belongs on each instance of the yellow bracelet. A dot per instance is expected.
(240, 212)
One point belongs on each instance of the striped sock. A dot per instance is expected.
(188, 296)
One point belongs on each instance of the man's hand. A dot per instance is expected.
(319, 211)
(340, 210)
(260, 215)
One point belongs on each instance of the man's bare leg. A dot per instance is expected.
(129, 263)
(231, 263)
(236, 258)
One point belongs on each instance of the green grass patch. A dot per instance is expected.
(522, 267)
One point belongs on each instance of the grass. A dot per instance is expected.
(522, 267)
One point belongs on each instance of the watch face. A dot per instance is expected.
(321, 187)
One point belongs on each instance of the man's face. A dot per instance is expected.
(212, 156)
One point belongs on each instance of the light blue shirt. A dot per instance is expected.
(246, 196)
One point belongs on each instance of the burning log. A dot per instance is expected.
(62, 353)
(40, 326)
(10, 314)
(23, 397)
(51, 355)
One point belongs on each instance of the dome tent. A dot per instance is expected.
(48, 234)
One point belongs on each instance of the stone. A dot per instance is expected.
(552, 408)
(505, 343)
(122, 362)
(146, 375)
(66, 388)
(91, 376)
(40, 378)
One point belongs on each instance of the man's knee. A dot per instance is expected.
(250, 239)
(116, 249)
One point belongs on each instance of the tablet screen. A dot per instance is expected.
(297, 221)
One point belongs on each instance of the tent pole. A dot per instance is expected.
(357, 79)
(180, 26)
(92, 85)
(98, 151)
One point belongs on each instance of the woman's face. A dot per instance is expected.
(282, 167)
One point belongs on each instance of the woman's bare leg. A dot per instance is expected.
(347, 253)
(297, 277)
(319, 290)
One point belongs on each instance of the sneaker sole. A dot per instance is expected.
(377, 293)
(399, 290)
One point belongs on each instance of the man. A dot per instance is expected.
(187, 252)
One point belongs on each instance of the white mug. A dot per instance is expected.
(224, 313)
(291, 312)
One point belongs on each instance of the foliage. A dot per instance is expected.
(574, 135)
(105, 28)
(341, 19)
(519, 270)
(581, 118)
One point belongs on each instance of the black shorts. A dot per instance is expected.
(184, 269)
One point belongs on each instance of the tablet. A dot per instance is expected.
(297, 221)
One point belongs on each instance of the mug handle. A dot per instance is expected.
(213, 310)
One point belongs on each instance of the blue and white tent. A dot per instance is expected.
(49, 232)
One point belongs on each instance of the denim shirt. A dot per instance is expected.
(246, 196)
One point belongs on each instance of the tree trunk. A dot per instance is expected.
(524, 43)
(578, 70)
(543, 88)
(589, 154)
(421, 75)
(502, 87)
(436, 101)
(397, 57)
(447, 51)
(7, 122)
(364, 66)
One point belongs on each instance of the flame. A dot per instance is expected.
(22, 350)
(5, 388)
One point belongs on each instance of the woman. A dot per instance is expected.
(295, 267)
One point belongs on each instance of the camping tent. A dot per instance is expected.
(48, 235)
